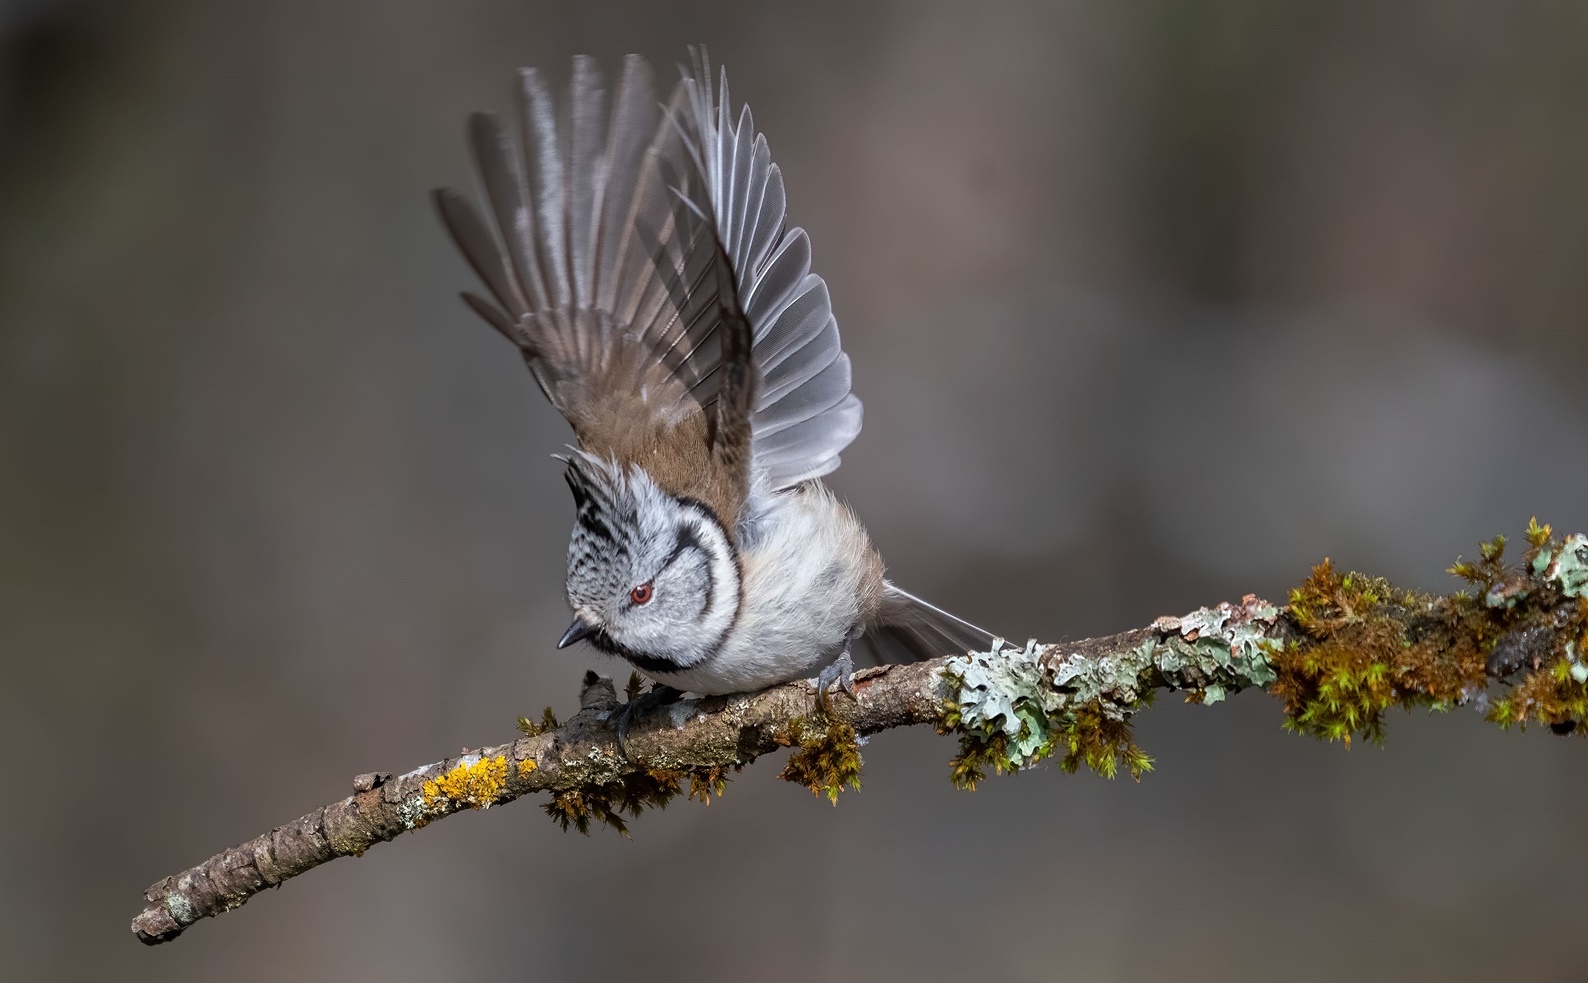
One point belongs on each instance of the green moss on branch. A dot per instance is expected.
(1346, 649)
(1015, 707)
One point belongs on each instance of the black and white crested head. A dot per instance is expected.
(651, 577)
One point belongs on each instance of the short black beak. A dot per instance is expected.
(579, 629)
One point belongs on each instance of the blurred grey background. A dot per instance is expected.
(1150, 304)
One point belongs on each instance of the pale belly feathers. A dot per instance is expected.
(810, 580)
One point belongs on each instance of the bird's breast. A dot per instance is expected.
(810, 577)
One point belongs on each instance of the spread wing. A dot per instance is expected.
(804, 414)
(640, 258)
(603, 267)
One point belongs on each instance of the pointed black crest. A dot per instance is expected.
(592, 481)
(576, 485)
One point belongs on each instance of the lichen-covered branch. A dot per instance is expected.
(1344, 650)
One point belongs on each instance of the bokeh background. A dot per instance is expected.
(1150, 304)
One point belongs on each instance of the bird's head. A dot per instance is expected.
(651, 577)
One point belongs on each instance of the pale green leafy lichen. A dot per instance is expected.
(1567, 567)
(413, 812)
(1003, 691)
(1218, 650)
(180, 908)
(1116, 680)
(1574, 664)
(1018, 705)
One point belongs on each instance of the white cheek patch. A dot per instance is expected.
(689, 629)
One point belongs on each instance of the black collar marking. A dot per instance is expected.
(649, 663)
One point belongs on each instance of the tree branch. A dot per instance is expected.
(1346, 649)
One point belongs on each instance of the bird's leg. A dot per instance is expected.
(660, 695)
(841, 672)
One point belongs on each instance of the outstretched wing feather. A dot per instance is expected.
(797, 348)
(596, 249)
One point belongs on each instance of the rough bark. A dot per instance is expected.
(583, 752)
(1347, 648)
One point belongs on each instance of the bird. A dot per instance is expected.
(638, 254)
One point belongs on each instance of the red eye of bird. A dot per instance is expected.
(641, 594)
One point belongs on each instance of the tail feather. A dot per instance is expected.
(909, 629)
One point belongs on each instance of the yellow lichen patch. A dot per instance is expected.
(526, 767)
(476, 784)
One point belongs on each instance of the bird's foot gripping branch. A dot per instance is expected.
(1344, 650)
